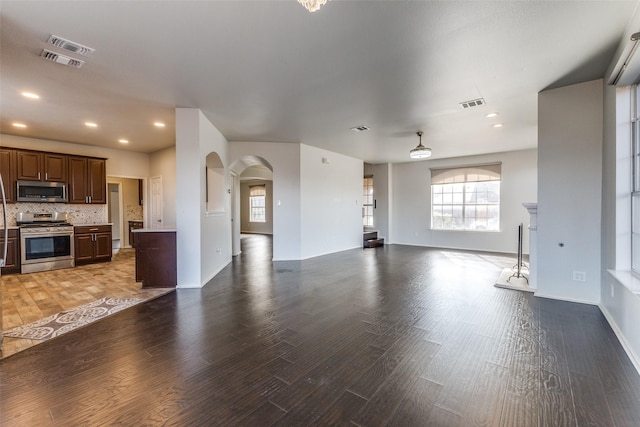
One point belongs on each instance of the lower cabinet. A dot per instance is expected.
(12, 263)
(92, 244)
(156, 259)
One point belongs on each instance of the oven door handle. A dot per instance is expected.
(5, 224)
(48, 234)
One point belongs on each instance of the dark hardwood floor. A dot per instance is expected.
(396, 335)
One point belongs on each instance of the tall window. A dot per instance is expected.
(635, 190)
(257, 195)
(367, 204)
(466, 198)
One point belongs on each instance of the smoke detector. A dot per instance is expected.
(73, 47)
(473, 103)
(61, 59)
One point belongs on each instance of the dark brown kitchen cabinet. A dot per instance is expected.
(87, 180)
(156, 265)
(12, 263)
(92, 244)
(7, 170)
(40, 166)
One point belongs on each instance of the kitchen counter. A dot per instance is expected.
(90, 224)
(154, 230)
(156, 257)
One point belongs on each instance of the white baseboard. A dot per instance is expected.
(538, 294)
(625, 344)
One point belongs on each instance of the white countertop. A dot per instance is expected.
(154, 230)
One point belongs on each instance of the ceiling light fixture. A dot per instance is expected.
(90, 124)
(31, 95)
(491, 115)
(19, 125)
(158, 124)
(420, 152)
(123, 141)
(312, 5)
(498, 125)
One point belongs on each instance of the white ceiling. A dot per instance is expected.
(271, 71)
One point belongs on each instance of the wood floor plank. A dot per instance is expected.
(396, 335)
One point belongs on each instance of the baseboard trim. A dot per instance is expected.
(579, 301)
(625, 344)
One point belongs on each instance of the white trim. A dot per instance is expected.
(559, 298)
(625, 344)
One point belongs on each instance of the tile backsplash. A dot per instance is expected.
(134, 212)
(78, 214)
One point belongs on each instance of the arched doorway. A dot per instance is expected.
(251, 199)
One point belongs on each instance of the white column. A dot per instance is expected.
(533, 243)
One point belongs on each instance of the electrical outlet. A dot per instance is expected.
(579, 276)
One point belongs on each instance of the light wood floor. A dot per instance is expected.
(30, 297)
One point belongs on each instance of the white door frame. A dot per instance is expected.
(145, 211)
(120, 211)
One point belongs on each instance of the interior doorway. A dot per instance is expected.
(125, 208)
(114, 216)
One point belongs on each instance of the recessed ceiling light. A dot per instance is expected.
(123, 141)
(91, 124)
(491, 115)
(498, 125)
(31, 95)
(19, 125)
(158, 124)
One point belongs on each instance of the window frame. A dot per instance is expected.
(367, 183)
(260, 206)
(458, 195)
(635, 179)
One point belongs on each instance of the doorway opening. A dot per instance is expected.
(125, 209)
(252, 201)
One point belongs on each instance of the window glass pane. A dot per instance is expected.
(466, 206)
(635, 252)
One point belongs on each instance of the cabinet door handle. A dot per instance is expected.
(38, 175)
(94, 229)
(89, 199)
(46, 176)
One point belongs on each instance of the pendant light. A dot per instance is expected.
(420, 152)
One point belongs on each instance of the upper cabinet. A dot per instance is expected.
(87, 180)
(8, 172)
(38, 166)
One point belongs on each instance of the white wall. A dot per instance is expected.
(247, 226)
(411, 206)
(285, 161)
(163, 163)
(381, 188)
(204, 240)
(620, 306)
(570, 129)
(331, 201)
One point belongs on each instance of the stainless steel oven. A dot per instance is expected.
(46, 245)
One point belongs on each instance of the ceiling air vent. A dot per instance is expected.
(70, 46)
(473, 103)
(61, 59)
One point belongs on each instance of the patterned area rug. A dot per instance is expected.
(61, 323)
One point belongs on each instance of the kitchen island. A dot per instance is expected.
(156, 257)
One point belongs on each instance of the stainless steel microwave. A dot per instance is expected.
(36, 191)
